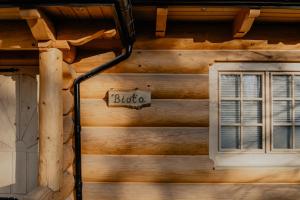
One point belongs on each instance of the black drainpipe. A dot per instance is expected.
(126, 28)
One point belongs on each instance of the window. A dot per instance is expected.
(255, 114)
(241, 112)
(285, 111)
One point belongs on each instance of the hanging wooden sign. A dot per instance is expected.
(129, 98)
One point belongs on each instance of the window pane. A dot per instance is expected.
(281, 86)
(230, 137)
(252, 137)
(297, 137)
(297, 86)
(282, 137)
(230, 85)
(297, 111)
(252, 112)
(230, 112)
(282, 111)
(252, 86)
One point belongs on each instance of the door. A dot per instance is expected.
(18, 134)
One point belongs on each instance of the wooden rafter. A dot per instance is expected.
(41, 27)
(161, 21)
(244, 21)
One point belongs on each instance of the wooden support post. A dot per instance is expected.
(161, 22)
(51, 119)
(244, 21)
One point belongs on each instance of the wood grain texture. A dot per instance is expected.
(145, 140)
(41, 28)
(68, 102)
(163, 191)
(68, 155)
(179, 169)
(69, 75)
(45, 193)
(244, 21)
(162, 86)
(68, 127)
(180, 61)
(166, 112)
(51, 119)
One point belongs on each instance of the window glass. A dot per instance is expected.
(252, 137)
(282, 112)
(230, 85)
(282, 137)
(281, 85)
(252, 86)
(230, 137)
(230, 112)
(241, 113)
(252, 112)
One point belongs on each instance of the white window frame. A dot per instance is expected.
(238, 158)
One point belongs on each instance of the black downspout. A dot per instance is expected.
(126, 29)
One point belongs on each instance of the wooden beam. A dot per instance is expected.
(41, 27)
(179, 191)
(51, 119)
(144, 140)
(10, 13)
(161, 21)
(177, 169)
(244, 21)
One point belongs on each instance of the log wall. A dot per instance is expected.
(168, 141)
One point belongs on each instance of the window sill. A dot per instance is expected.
(256, 160)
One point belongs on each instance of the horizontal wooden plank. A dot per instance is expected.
(191, 169)
(179, 61)
(162, 86)
(163, 191)
(145, 140)
(167, 112)
(19, 58)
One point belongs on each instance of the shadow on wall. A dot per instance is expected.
(221, 32)
(18, 134)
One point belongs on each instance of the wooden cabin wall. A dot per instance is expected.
(168, 141)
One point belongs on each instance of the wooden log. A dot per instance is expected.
(41, 27)
(244, 21)
(67, 188)
(162, 86)
(180, 61)
(69, 75)
(71, 32)
(145, 140)
(19, 58)
(181, 169)
(45, 193)
(68, 155)
(10, 13)
(51, 119)
(177, 191)
(68, 128)
(161, 21)
(68, 102)
(39, 193)
(95, 112)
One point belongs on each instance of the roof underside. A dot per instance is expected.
(178, 13)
